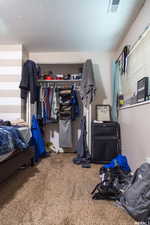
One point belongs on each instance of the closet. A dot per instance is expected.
(53, 126)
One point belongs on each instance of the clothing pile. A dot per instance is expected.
(19, 122)
(5, 123)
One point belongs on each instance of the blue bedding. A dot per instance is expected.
(10, 139)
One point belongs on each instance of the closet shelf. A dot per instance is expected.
(61, 83)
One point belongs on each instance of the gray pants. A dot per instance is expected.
(65, 133)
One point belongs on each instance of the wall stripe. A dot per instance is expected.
(10, 101)
(11, 48)
(10, 55)
(9, 116)
(11, 78)
(10, 109)
(8, 70)
(8, 92)
(9, 85)
(10, 62)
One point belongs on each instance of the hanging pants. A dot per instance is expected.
(65, 133)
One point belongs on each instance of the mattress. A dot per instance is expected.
(25, 133)
(5, 156)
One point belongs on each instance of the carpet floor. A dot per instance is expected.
(56, 192)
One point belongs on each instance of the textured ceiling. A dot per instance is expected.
(65, 25)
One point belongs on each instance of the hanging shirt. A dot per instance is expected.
(30, 74)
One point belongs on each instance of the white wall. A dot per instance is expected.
(135, 128)
(138, 26)
(135, 122)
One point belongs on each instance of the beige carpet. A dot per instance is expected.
(56, 192)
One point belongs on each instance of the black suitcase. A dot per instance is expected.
(105, 141)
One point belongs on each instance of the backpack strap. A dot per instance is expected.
(96, 188)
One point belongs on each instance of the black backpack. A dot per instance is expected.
(136, 198)
(111, 185)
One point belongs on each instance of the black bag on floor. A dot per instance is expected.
(113, 180)
(136, 199)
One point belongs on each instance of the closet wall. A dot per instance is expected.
(11, 57)
(61, 68)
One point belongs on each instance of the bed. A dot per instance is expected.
(15, 149)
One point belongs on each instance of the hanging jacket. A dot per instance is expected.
(37, 139)
(88, 86)
(30, 74)
(120, 161)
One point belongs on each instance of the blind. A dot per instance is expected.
(138, 65)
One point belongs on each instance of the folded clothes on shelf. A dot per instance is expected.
(65, 92)
(65, 108)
